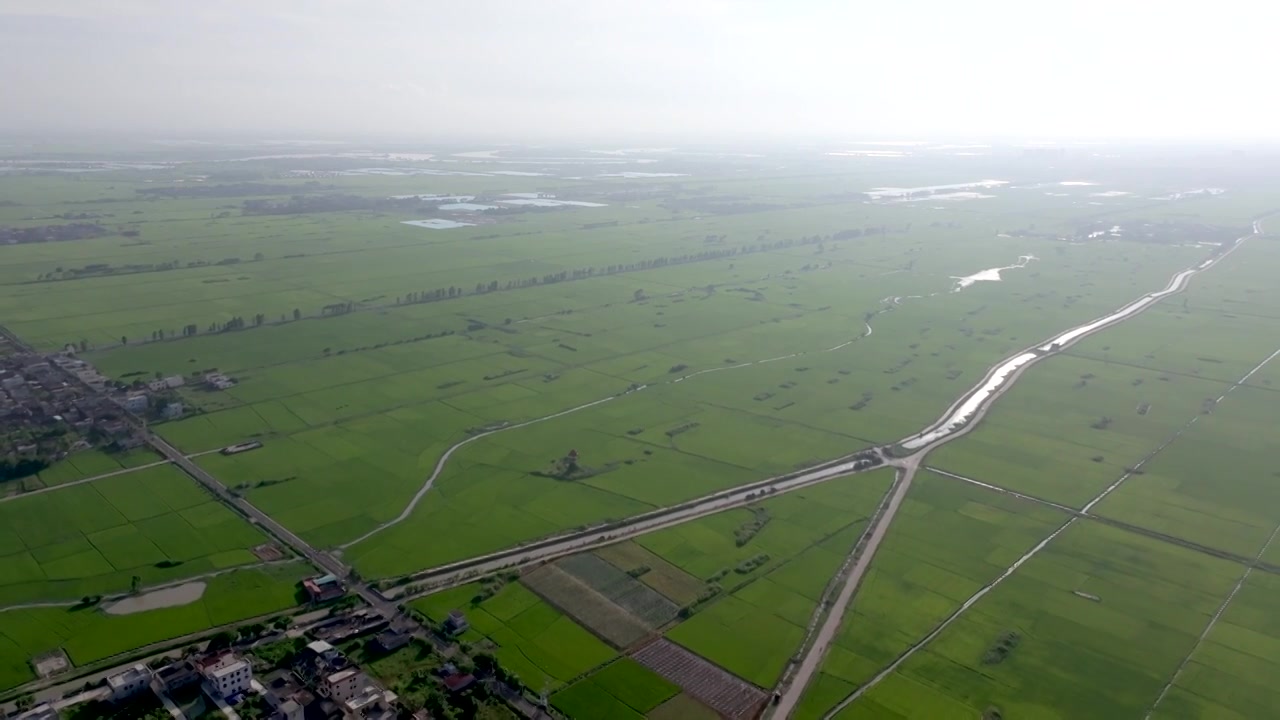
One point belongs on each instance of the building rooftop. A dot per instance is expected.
(342, 675)
(458, 682)
(319, 647)
(177, 668)
(223, 665)
(133, 674)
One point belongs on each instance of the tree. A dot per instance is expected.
(220, 641)
(485, 662)
(297, 314)
(436, 704)
(124, 340)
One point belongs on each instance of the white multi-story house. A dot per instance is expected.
(228, 675)
(129, 682)
(343, 685)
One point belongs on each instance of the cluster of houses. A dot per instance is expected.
(45, 414)
(219, 381)
(224, 677)
(322, 684)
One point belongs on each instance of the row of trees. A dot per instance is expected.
(452, 292)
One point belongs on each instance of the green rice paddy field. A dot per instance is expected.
(88, 635)
(542, 646)
(155, 524)
(1076, 656)
(1210, 484)
(621, 689)
(743, 320)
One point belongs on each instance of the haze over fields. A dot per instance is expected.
(662, 361)
(582, 70)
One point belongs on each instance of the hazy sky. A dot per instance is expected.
(524, 69)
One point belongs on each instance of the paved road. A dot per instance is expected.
(317, 557)
(282, 534)
(865, 552)
(464, 571)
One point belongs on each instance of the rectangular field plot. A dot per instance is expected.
(88, 635)
(672, 582)
(572, 595)
(623, 688)
(795, 521)
(154, 523)
(1232, 673)
(728, 695)
(755, 617)
(530, 638)
(948, 539)
(91, 463)
(1216, 484)
(1093, 626)
(620, 588)
(1104, 419)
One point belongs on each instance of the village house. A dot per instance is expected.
(391, 640)
(323, 588)
(136, 403)
(129, 683)
(456, 623)
(227, 674)
(371, 703)
(177, 675)
(343, 685)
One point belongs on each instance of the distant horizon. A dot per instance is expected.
(629, 143)
(587, 71)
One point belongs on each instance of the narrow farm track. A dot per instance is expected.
(444, 459)
(83, 481)
(1247, 561)
(104, 476)
(1209, 627)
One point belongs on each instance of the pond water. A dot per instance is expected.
(437, 224)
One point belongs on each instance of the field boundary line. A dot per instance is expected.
(937, 630)
(150, 588)
(83, 481)
(1121, 525)
(1209, 627)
